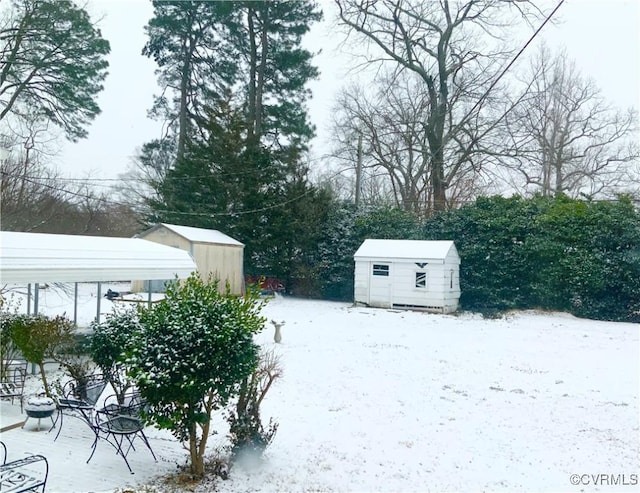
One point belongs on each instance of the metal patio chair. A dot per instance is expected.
(119, 423)
(79, 399)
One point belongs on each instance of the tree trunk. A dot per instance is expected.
(44, 379)
(559, 178)
(546, 172)
(438, 183)
(264, 53)
(182, 113)
(184, 90)
(435, 136)
(253, 63)
(197, 459)
(257, 68)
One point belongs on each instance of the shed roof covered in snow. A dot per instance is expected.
(197, 235)
(38, 257)
(405, 249)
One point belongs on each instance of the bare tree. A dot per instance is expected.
(34, 197)
(455, 50)
(396, 162)
(29, 192)
(140, 185)
(565, 138)
(95, 213)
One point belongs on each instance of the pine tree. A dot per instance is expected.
(241, 168)
(53, 64)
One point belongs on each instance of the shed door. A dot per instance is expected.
(380, 284)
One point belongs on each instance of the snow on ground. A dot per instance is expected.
(385, 400)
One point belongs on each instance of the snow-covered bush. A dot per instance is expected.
(8, 350)
(193, 350)
(108, 347)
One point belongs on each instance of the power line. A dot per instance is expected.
(510, 64)
(165, 211)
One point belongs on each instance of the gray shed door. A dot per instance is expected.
(380, 283)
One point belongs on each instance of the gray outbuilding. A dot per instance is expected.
(215, 254)
(408, 274)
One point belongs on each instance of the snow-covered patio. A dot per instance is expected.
(382, 400)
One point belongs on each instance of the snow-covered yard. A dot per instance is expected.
(383, 400)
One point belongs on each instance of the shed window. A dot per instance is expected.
(421, 279)
(451, 279)
(380, 270)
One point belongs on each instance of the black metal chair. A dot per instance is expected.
(12, 387)
(26, 475)
(119, 423)
(79, 399)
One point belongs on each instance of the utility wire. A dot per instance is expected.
(208, 214)
(510, 64)
(33, 180)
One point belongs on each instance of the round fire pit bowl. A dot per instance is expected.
(38, 408)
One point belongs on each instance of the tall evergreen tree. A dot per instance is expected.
(187, 41)
(276, 69)
(240, 169)
(53, 64)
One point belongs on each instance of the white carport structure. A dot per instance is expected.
(33, 258)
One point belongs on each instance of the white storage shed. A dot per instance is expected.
(408, 274)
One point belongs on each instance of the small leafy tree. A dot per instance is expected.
(193, 350)
(248, 437)
(39, 337)
(73, 357)
(108, 345)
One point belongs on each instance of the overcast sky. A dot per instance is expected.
(602, 36)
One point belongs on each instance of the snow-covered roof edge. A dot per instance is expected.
(196, 235)
(405, 249)
(41, 257)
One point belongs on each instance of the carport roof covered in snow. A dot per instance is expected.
(38, 257)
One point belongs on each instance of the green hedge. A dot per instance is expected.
(551, 253)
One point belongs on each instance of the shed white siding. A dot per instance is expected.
(408, 273)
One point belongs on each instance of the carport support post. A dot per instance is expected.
(35, 298)
(75, 304)
(35, 312)
(29, 299)
(98, 303)
(149, 297)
